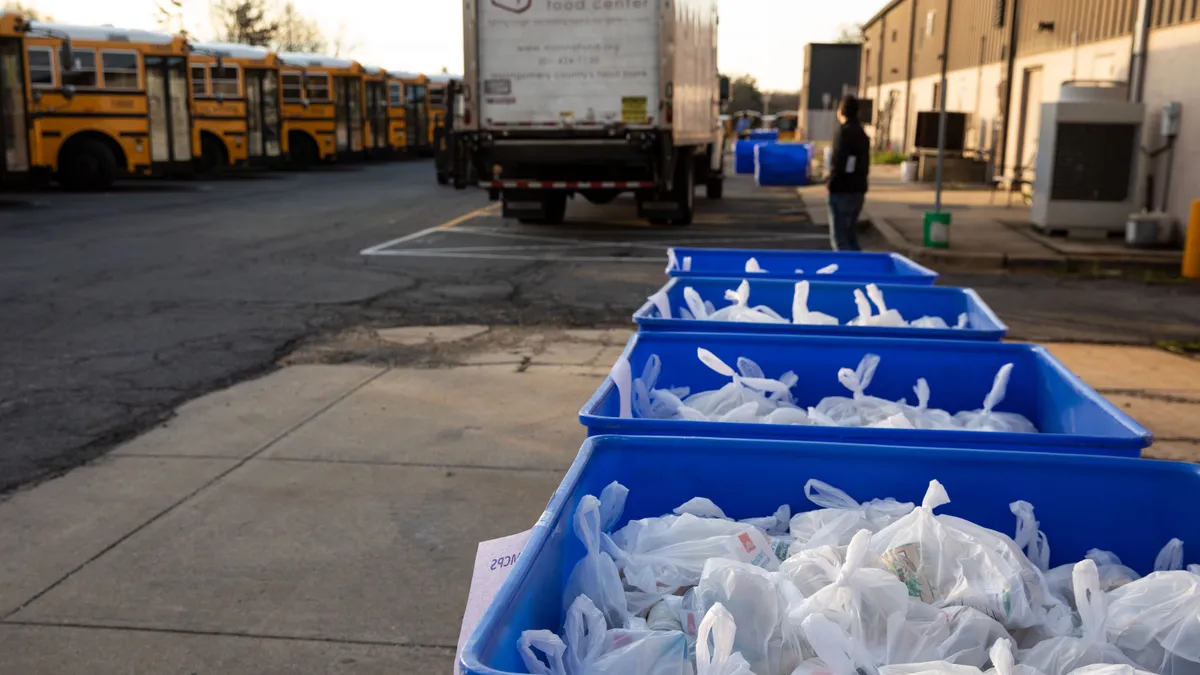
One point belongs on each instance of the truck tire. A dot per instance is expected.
(715, 188)
(685, 193)
(556, 208)
(88, 165)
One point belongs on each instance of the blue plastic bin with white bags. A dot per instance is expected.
(1130, 507)
(1070, 416)
(831, 298)
(782, 164)
(883, 268)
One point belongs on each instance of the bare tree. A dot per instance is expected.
(169, 16)
(21, 9)
(851, 34)
(342, 45)
(245, 22)
(297, 33)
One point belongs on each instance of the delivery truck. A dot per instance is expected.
(593, 98)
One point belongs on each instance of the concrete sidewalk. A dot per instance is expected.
(990, 229)
(324, 518)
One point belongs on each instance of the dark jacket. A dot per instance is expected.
(851, 160)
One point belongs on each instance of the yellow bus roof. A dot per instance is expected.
(317, 61)
(406, 75)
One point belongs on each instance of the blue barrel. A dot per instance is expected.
(1071, 416)
(771, 135)
(889, 268)
(782, 164)
(835, 299)
(743, 156)
(1077, 499)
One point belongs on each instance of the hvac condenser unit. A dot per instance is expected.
(1087, 176)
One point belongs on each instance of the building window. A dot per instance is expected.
(293, 88)
(83, 69)
(395, 94)
(120, 70)
(41, 66)
(225, 81)
(199, 81)
(318, 88)
(895, 34)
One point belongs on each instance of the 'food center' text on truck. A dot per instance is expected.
(595, 98)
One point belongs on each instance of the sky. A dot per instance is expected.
(763, 38)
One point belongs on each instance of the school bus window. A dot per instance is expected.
(318, 88)
(225, 81)
(41, 66)
(416, 94)
(437, 96)
(200, 81)
(293, 90)
(120, 70)
(83, 69)
(395, 95)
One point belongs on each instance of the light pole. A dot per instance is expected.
(937, 223)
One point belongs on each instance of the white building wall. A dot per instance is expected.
(892, 133)
(1171, 75)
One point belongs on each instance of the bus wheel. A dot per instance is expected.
(443, 179)
(212, 156)
(304, 150)
(87, 165)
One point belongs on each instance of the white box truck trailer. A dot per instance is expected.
(592, 98)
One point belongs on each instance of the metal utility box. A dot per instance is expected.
(830, 72)
(1087, 177)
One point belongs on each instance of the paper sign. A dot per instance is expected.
(493, 561)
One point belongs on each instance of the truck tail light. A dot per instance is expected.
(670, 116)
(467, 115)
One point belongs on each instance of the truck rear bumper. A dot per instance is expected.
(566, 185)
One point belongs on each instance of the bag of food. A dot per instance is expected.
(596, 575)
(800, 311)
(862, 598)
(1005, 663)
(946, 561)
(757, 604)
(1156, 622)
(1062, 655)
(921, 415)
(988, 420)
(955, 635)
(840, 517)
(1113, 575)
(836, 652)
(860, 409)
(719, 659)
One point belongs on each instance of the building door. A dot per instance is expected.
(1030, 124)
(167, 98)
(14, 134)
(262, 112)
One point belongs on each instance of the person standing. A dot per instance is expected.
(848, 177)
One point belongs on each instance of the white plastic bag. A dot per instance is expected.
(954, 634)
(840, 517)
(986, 419)
(1062, 655)
(946, 561)
(1156, 622)
(861, 599)
(1029, 537)
(922, 416)
(719, 659)
(1005, 663)
(837, 653)
(1113, 575)
(860, 409)
(752, 597)
(1110, 669)
(663, 555)
(1170, 558)
(752, 267)
(596, 575)
(800, 311)
(741, 311)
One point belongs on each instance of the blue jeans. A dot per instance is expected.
(844, 209)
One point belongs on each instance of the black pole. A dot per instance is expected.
(937, 200)
(1013, 34)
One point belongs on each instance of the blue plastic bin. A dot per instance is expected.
(782, 164)
(881, 268)
(1130, 507)
(835, 299)
(743, 156)
(771, 135)
(1072, 417)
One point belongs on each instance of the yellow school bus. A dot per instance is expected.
(414, 122)
(236, 117)
(788, 123)
(14, 129)
(376, 103)
(96, 103)
(438, 105)
(322, 107)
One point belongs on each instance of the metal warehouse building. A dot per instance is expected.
(1007, 57)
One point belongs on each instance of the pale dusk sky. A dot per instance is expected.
(764, 38)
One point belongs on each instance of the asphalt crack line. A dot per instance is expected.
(219, 477)
(231, 634)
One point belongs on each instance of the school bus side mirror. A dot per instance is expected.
(220, 98)
(68, 91)
(304, 102)
(724, 89)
